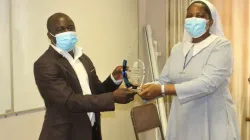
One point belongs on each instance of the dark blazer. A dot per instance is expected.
(66, 107)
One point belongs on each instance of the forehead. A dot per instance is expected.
(196, 7)
(63, 21)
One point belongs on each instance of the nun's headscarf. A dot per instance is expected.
(215, 29)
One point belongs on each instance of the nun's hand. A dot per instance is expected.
(150, 91)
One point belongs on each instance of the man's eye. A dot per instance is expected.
(59, 29)
(71, 28)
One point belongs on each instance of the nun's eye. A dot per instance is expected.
(200, 16)
(189, 16)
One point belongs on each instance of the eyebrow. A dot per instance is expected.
(197, 13)
(71, 25)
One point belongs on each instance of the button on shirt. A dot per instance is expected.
(81, 73)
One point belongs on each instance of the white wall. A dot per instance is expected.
(106, 29)
(23, 127)
(152, 12)
(5, 80)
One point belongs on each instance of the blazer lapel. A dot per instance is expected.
(67, 65)
(86, 65)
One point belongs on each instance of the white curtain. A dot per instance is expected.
(235, 16)
(176, 13)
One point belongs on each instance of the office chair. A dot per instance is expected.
(145, 118)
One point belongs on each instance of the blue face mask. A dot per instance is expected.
(66, 41)
(196, 27)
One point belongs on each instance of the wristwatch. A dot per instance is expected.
(163, 90)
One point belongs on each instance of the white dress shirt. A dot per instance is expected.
(81, 73)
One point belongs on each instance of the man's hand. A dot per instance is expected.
(150, 91)
(117, 73)
(123, 95)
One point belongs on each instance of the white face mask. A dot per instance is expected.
(196, 27)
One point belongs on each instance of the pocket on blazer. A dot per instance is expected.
(63, 128)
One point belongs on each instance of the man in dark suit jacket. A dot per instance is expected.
(72, 92)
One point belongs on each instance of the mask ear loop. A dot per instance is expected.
(52, 40)
(52, 34)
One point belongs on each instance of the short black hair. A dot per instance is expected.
(52, 18)
(207, 10)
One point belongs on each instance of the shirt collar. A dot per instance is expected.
(198, 47)
(77, 52)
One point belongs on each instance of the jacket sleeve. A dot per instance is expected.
(216, 71)
(54, 88)
(101, 87)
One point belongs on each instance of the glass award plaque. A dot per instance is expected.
(133, 73)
